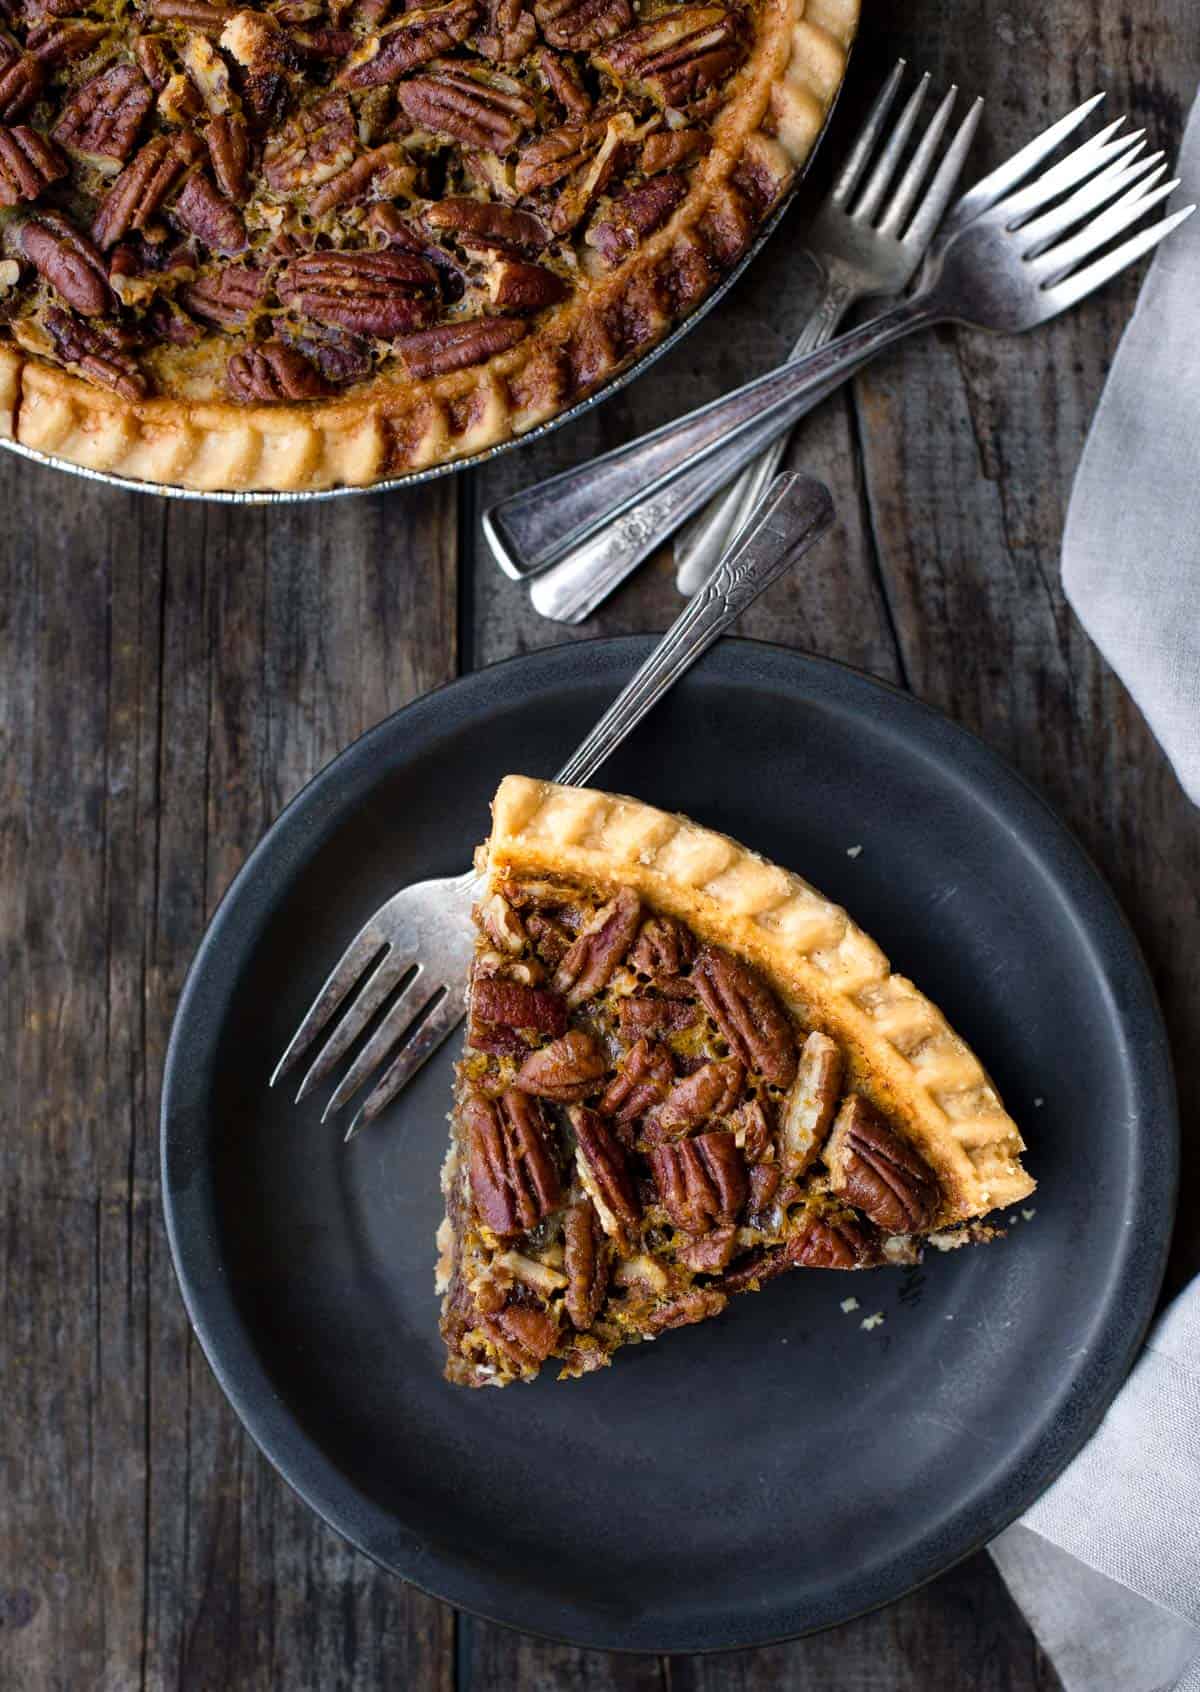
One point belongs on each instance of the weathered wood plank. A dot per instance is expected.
(169, 676)
(495, 1657)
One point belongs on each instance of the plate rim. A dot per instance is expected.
(285, 1444)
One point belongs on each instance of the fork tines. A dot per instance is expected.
(1078, 207)
(866, 206)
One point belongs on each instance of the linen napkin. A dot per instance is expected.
(1131, 549)
(1106, 1564)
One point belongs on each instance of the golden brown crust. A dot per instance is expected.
(10, 389)
(901, 1052)
(771, 122)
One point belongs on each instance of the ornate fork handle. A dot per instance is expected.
(796, 512)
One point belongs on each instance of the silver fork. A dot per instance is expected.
(861, 248)
(416, 949)
(988, 269)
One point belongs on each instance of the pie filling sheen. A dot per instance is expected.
(650, 1116)
(334, 240)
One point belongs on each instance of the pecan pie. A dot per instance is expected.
(685, 1073)
(326, 242)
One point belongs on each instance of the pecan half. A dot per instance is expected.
(696, 1305)
(599, 949)
(209, 216)
(580, 25)
(585, 1263)
(833, 1243)
(564, 83)
(710, 1253)
(384, 170)
(228, 145)
(272, 372)
(636, 213)
(142, 186)
(808, 1113)
(666, 149)
(28, 163)
(68, 261)
(367, 293)
(21, 79)
(59, 41)
(510, 34)
(514, 1178)
(492, 112)
(316, 144)
(641, 1014)
(516, 1006)
(702, 1181)
(664, 947)
(154, 60)
(878, 1172)
(417, 39)
(95, 354)
(340, 358)
(480, 223)
(747, 1013)
(527, 1334)
(454, 346)
(712, 1090)
(605, 1174)
(643, 1080)
(552, 156)
(99, 123)
(191, 14)
(323, 43)
(516, 286)
(753, 1271)
(677, 56)
(227, 298)
(568, 1069)
(764, 1184)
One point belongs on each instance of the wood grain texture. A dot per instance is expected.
(171, 675)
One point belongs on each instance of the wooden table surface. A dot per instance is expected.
(171, 674)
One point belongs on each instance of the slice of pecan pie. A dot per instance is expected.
(685, 1073)
(330, 241)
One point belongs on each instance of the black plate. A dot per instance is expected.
(780, 1469)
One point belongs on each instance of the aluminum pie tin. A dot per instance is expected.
(232, 496)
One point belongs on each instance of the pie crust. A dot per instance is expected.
(902, 1052)
(685, 1073)
(772, 115)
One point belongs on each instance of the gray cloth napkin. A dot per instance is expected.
(1131, 549)
(1106, 1565)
